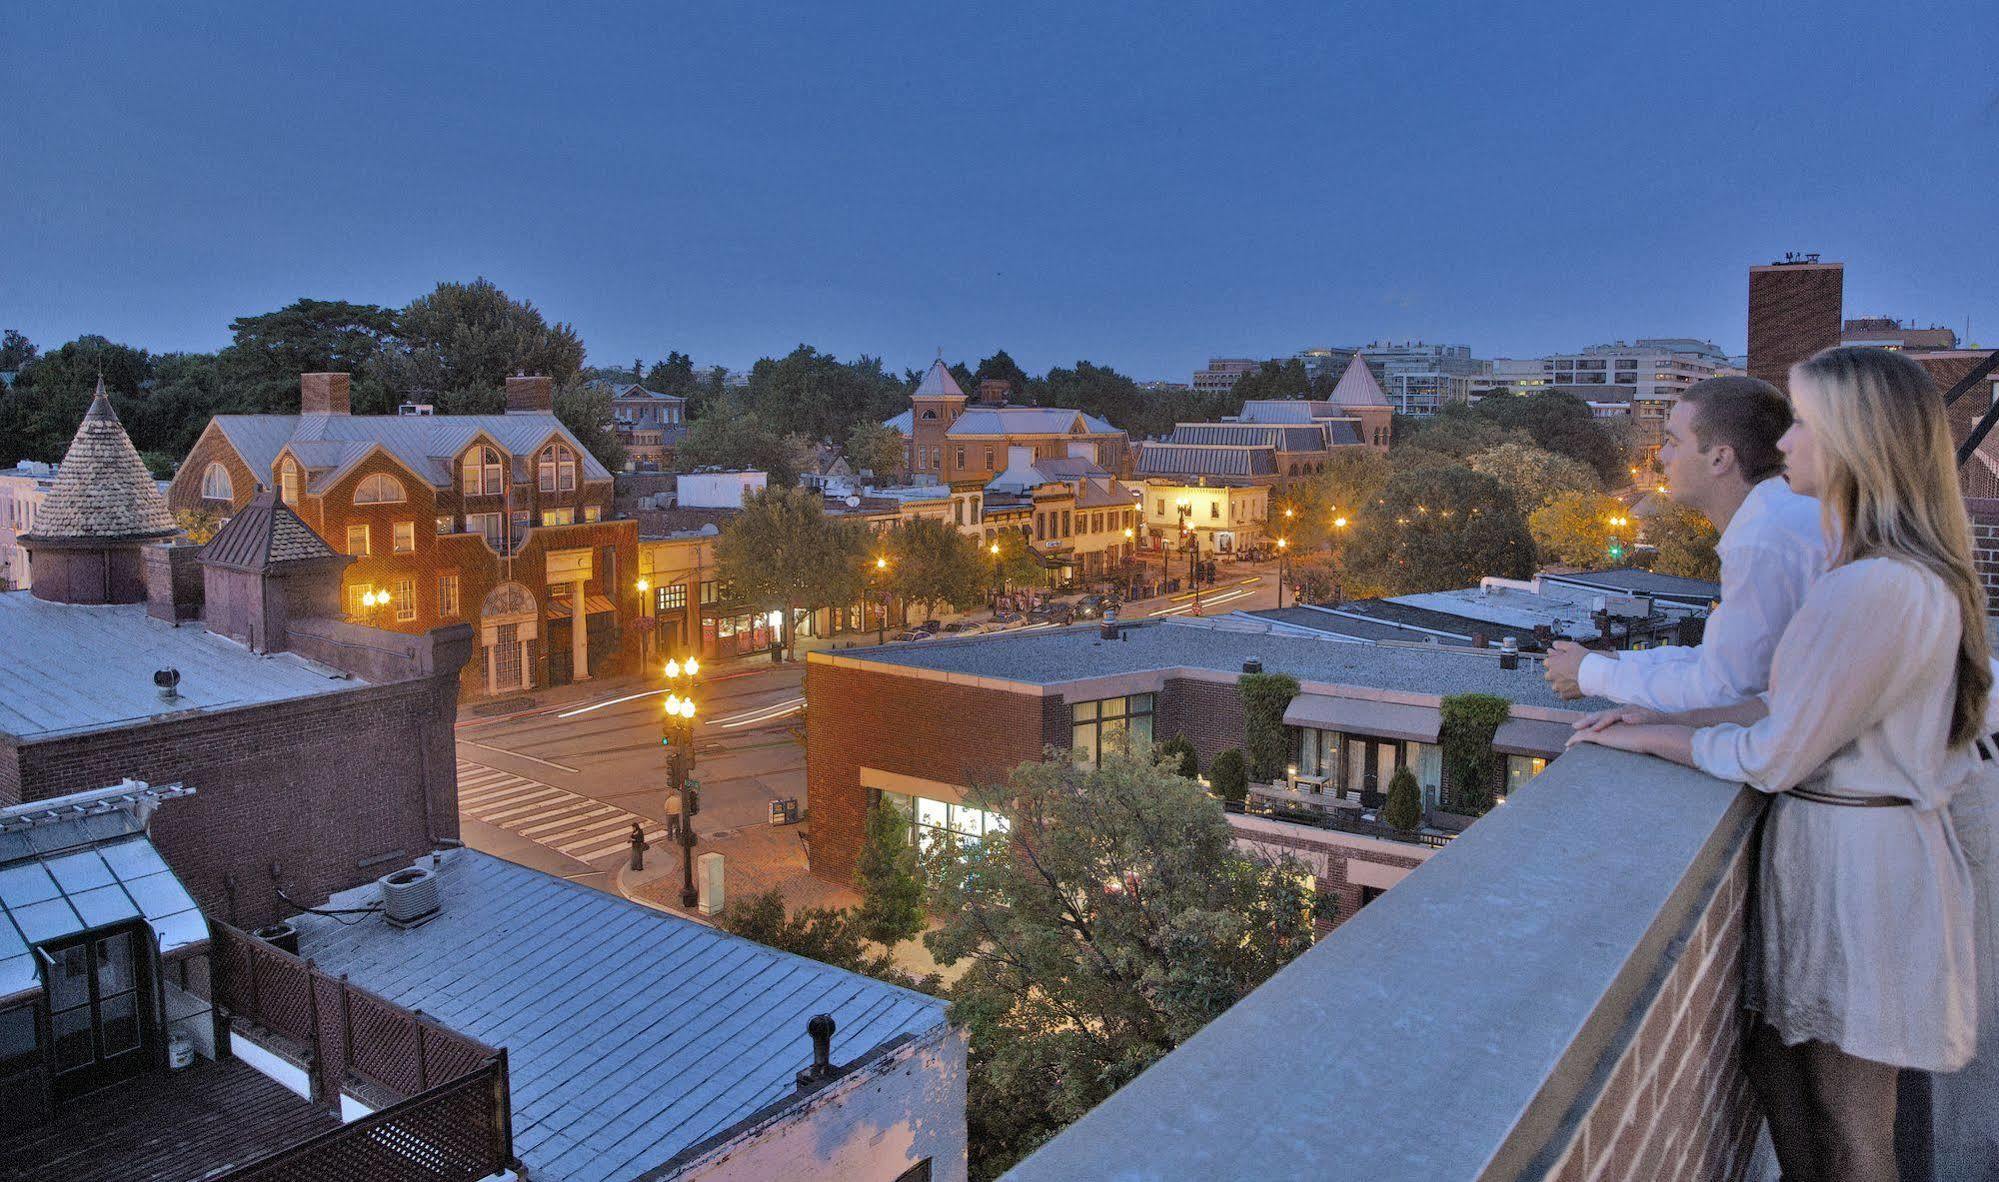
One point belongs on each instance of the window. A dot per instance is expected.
(989, 459)
(357, 541)
(355, 593)
(447, 595)
(564, 516)
(1319, 754)
(558, 469)
(1065, 523)
(444, 523)
(959, 457)
(931, 820)
(708, 591)
(593, 512)
(1520, 769)
(480, 473)
(379, 489)
(1109, 725)
(405, 600)
(1162, 506)
(215, 484)
(487, 524)
(288, 481)
(405, 537)
(671, 598)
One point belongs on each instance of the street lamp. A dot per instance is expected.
(1192, 541)
(676, 734)
(881, 573)
(645, 612)
(1130, 562)
(1283, 565)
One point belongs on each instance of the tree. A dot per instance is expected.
(930, 562)
(828, 935)
(1018, 566)
(782, 551)
(1351, 481)
(197, 525)
(1113, 920)
(16, 351)
(1437, 529)
(456, 347)
(259, 370)
(1588, 529)
(1274, 379)
(1534, 475)
(40, 412)
(818, 396)
(1471, 766)
(1561, 423)
(1315, 579)
(891, 908)
(675, 375)
(1458, 432)
(876, 450)
(731, 436)
(1686, 542)
(1000, 367)
(1228, 775)
(585, 408)
(1404, 809)
(1178, 753)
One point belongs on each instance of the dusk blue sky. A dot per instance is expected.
(1143, 186)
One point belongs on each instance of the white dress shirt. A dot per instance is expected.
(1771, 553)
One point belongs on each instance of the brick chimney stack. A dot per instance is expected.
(323, 393)
(994, 391)
(530, 395)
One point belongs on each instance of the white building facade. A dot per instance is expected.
(1422, 378)
(22, 490)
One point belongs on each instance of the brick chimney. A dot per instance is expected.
(323, 393)
(530, 395)
(994, 391)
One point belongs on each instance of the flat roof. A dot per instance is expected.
(631, 1035)
(1054, 657)
(1634, 581)
(73, 668)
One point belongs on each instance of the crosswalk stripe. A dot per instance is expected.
(484, 775)
(500, 800)
(566, 819)
(500, 792)
(580, 827)
(522, 806)
(496, 784)
(593, 832)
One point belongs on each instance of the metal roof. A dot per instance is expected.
(904, 423)
(1633, 581)
(938, 383)
(1027, 420)
(630, 1034)
(70, 668)
(1186, 459)
(1357, 386)
(426, 444)
(1280, 436)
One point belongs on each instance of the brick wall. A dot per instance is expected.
(337, 789)
(1328, 856)
(1794, 311)
(213, 447)
(959, 734)
(1674, 1102)
(1985, 542)
(1209, 713)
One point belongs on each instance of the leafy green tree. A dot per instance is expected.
(675, 375)
(930, 562)
(1561, 423)
(1000, 367)
(456, 347)
(818, 396)
(731, 436)
(1264, 697)
(1686, 542)
(1228, 775)
(1018, 567)
(585, 408)
(1471, 766)
(891, 908)
(1589, 529)
(782, 551)
(1534, 475)
(1113, 921)
(1179, 754)
(1274, 379)
(828, 935)
(16, 351)
(876, 450)
(1437, 529)
(259, 370)
(1347, 488)
(1404, 809)
(1458, 432)
(40, 413)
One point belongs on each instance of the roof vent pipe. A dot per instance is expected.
(168, 681)
(1108, 628)
(1509, 653)
(821, 1029)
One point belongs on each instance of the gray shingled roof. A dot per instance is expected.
(630, 1035)
(102, 488)
(330, 444)
(1280, 436)
(265, 535)
(1186, 459)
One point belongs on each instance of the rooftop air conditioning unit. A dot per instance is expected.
(409, 897)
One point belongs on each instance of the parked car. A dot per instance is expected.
(1051, 612)
(914, 634)
(964, 628)
(1007, 619)
(1091, 607)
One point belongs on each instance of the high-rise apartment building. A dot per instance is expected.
(1421, 378)
(1794, 311)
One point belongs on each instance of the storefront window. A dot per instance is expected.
(1109, 725)
(930, 820)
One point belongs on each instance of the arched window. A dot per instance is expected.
(480, 473)
(288, 481)
(379, 489)
(558, 469)
(215, 484)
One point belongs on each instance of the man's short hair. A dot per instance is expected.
(1748, 414)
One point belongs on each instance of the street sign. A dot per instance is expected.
(784, 811)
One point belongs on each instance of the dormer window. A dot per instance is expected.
(930, 415)
(288, 481)
(479, 475)
(215, 484)
(558, 469)
(379, 489)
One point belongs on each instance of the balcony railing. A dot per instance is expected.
(1336, 811)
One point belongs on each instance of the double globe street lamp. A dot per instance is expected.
(676, 734)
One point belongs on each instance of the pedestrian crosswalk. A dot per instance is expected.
(577, 826)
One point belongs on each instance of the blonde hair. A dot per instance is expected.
(1888, 489)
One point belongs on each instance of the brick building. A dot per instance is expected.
(650, 425)
(499, 521)
(1795, 306)
(920, 725)
(953, 440)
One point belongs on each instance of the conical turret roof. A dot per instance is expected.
(102, 488)
(939, 383)
(1357, 386)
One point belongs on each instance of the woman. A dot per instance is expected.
(1861, 962)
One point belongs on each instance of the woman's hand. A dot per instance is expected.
(1614, 733)
(1625, 715)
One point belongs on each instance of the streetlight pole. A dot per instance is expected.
(1339, 559)
(1192, 541)
(881, 573)
(1283, 565)
(1130, 561)
(998, 587)
(645, 613)
(676, 734)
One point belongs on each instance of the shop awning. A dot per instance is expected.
(558, 609)
(1531, 736)
(1392, 720)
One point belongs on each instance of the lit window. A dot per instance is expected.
(487, 524)
(480, 473)
(672, 598)
(444, 523)
(405, 537)
(288, 481)
(379, 489)
(357, 541)
(356, 592)
(215, 484)
(1109, 725)
(563, 516)
(447, 595)
(593, 512)
(405, 600)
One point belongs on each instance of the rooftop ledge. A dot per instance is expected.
(1553, 992)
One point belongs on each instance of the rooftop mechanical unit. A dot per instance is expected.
(409, 897)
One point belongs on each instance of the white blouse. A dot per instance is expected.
(1861, 693)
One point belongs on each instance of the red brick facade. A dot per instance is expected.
(1794, 311)
(1985, 546)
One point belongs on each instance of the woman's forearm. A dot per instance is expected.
(1670, 741)
(1747, 712)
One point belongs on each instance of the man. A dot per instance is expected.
(1721, 459)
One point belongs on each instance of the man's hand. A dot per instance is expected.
(1562, 667)
(1602, 720)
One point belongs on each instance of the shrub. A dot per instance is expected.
(1264, 697)
(1181, 749)
(1405, 802)
(1470, 764)
(1228, 776)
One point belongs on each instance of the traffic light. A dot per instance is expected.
(1616, 551)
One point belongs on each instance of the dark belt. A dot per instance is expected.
(1852, 802)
